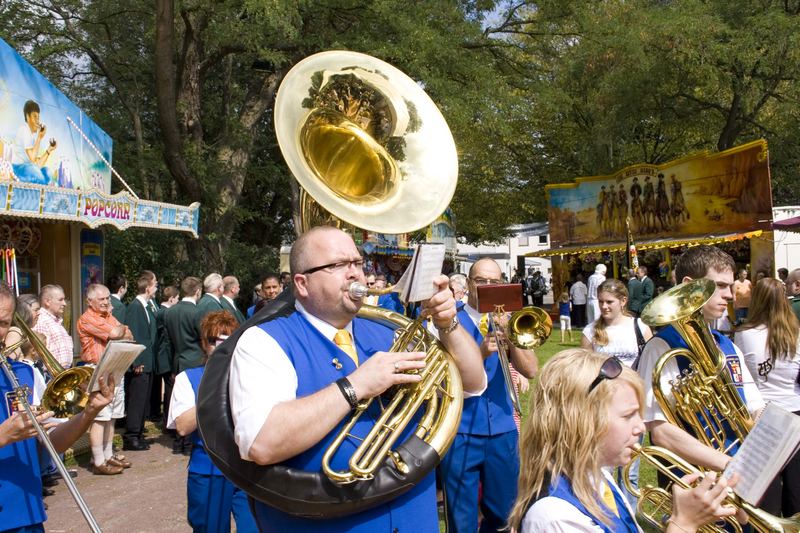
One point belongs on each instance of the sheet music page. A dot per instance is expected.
(766, 450)
(116, 360)
(416, 284)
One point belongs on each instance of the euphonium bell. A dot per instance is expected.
(655, 503)
(66, 394)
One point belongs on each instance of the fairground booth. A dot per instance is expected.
(55, 183)
(724, 199)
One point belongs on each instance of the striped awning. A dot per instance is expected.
(653, 244)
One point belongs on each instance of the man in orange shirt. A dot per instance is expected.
(742, 288)
(96, 327)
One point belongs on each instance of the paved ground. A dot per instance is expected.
(147, 498)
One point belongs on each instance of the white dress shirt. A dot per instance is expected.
(262, 376)
(182, 398)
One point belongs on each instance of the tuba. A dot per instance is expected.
(369, 149)
(655, 503)
(66, 393)
(705, 400)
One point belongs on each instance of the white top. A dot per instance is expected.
(230, 300)
(653, 350)
(777, 384)
(25, 139)
(262, 376)
(621, 340)
(594, 281)
(182, 398)
(578, 293)
(554, 515)
(38, 383)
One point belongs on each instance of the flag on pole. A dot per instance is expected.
(633, 259)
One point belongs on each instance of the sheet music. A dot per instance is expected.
(116, 360)
(768, 447)
(416, 284)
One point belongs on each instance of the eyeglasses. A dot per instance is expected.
(610, 369)
(337, 266)
(484, 281)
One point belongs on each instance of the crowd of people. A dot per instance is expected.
(294, 379)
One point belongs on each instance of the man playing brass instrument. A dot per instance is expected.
(293, 380)
(486, 447)
(711, 263)
(20, 482)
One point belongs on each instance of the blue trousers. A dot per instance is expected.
(38, 528)
(211, 500)
(489, 461)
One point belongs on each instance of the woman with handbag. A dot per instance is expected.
(615, 333)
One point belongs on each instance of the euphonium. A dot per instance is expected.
(440, 390)
(655, 503)
(706, 402)
(65, 394)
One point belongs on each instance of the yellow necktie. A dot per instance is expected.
(608, 498)
(345, 342)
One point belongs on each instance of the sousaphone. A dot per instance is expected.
(369, 149)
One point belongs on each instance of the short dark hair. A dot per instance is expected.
(144, 281)
(30, 107)
(190, 286)
(169, 292)
(269, 276)
(698, 260)
(643, 268)
(6, 292)
(116, 282)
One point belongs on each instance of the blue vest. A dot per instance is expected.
(200, 462)
(562, 489)
(312, 356)
(20, 482)
(491, 413)
(670, 335)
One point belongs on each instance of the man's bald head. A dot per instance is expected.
(303, 251)
(793, 282)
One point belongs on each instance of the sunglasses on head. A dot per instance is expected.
(610, 369)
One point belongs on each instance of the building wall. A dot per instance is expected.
(506, 254)
(787, 243)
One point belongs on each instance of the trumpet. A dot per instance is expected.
(21, 397)
(655, 503)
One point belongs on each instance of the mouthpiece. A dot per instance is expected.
(357, 290)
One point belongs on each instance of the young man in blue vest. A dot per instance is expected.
(698, 262)
(485, 451)
(295, 380)
(21, 505)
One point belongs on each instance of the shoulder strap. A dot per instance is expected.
(640, 342)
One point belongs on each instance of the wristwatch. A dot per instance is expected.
(451, 328)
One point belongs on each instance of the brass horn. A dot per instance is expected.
(440, 390)
(65, 394)
(705, 401)
(365, 143)
(655, 503)
(370, 149)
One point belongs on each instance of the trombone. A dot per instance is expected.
(527, 328)
(21, 394)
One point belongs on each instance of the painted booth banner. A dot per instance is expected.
(95, 208)
(704, 194)
(38, 144)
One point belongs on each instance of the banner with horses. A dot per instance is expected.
(698, 195)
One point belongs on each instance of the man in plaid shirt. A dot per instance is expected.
(51, 324)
